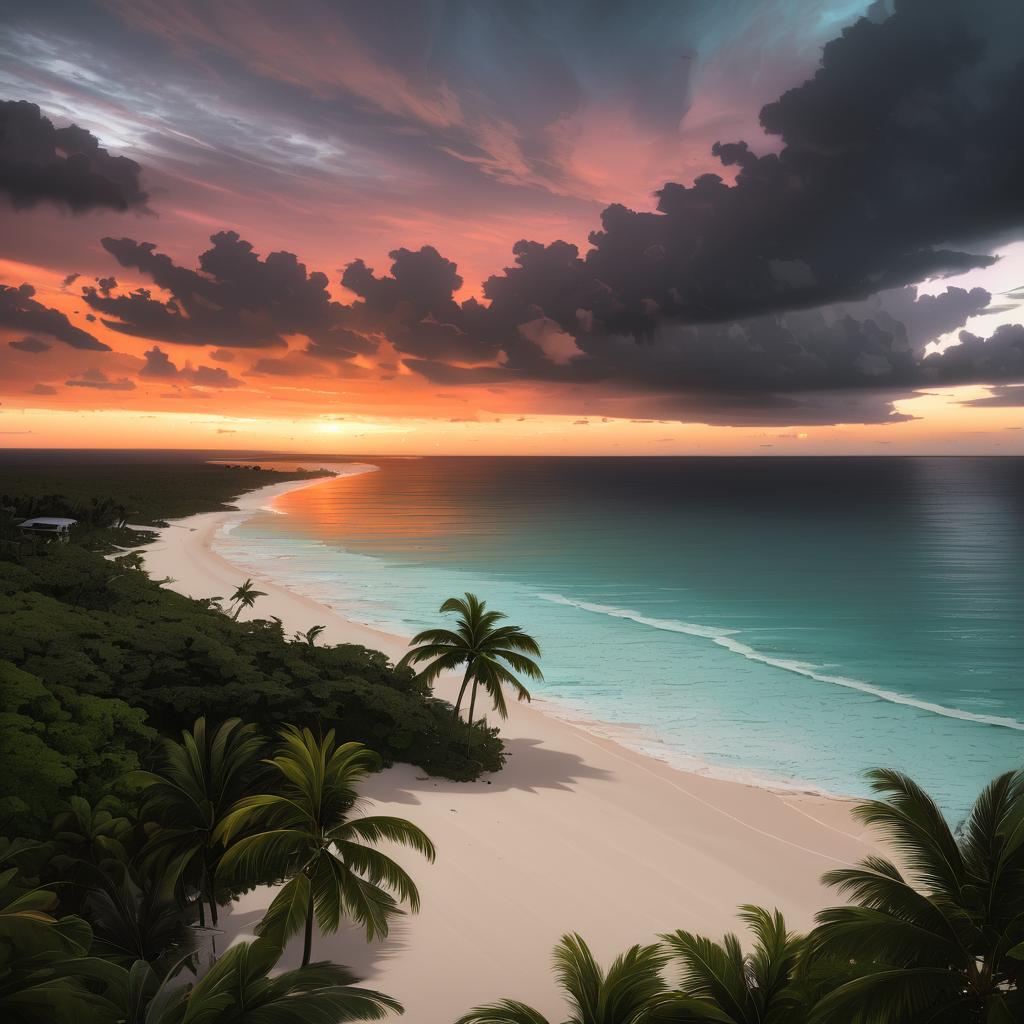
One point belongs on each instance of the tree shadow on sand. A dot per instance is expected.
(531, 767)
(347, 946)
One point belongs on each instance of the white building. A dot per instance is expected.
(61, 528)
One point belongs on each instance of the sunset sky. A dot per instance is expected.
(470, 226)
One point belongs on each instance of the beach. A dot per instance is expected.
(576, 833)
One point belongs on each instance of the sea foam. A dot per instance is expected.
(726, 638)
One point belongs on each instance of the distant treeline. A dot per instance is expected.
(138, 492)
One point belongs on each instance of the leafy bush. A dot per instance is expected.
(106, 656)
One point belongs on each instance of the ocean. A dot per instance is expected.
(785, 621)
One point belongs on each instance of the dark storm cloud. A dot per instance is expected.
(234, 300)
(66, 166)
(21, 312)
(899, 161)
(415, 307)
(980, 360)
(98, 380)
(898, 151)
(30, 344)
(1003, 397)
(159, 366)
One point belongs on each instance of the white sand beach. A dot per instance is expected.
(577, 833)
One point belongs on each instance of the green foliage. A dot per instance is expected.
(100, 491)
(631, 992)
(243, 987)
(197, 782)
(487, 650)
(42, 957)
(935, 943)
(92, 633)
(304, 831)
(719, 983)
(55, 740)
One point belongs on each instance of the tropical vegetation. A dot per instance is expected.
(305, 831)
(491, 655)
(159, 758)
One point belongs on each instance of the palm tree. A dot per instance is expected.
(239, 989)
(632, 992)
(482, 648)
(945, 942)
(720, 984)
(244, 597)
(310, 636)
(307, 833)
(200, 780)
(131, 917)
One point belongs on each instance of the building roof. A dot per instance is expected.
(47, 521)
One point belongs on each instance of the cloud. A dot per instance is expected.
(64, 166)
(159, 366)
(98, 379)
(292, 365)
(980, 360)
(1004, 396)
(21, 312)
(896, 164)
(42, 389)
(234, 300)
(31, 344)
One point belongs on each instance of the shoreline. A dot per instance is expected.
(578, 832)
(635, 738)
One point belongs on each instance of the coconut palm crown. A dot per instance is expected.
(491, 653)
(942, 938)
(199, 780)
(305, 832)
(632, 990)
(245, 597)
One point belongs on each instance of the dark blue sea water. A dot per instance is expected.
(792, 620)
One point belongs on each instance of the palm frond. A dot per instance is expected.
(505, 1011)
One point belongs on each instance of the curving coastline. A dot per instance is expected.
(687, 846)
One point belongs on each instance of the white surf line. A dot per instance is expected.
(723, 638)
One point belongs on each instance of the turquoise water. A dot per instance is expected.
(789, 620)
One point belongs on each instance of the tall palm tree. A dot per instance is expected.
(306, 832)
(943, 943)
(630, 993)
(721, 984)
(244, 597)
(240, 988)
(487, 650)
(200, 779)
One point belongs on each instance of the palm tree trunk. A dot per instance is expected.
(202, 911)
(472, 705)
(307, 948)
(458, 703)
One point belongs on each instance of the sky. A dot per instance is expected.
(478, 226)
